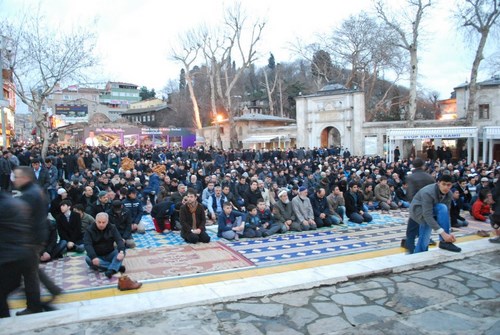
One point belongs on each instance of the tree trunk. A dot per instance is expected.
(269, 94)
(412, 103)
(196, 109)
(471, 106)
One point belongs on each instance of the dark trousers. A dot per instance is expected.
(411, 235)
(32, 283)
(10, 279)
(195, 238)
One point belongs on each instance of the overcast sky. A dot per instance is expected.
(135, 36)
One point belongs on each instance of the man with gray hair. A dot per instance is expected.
(99, 240)
(284, 214)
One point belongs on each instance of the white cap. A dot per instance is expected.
(61, 191)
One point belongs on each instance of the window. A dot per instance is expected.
(66, 97)
(484, 111)
(152, 117)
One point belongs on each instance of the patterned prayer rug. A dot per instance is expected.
(73, 274)
(151, 239)
(322, 243)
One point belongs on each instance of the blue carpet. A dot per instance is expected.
(152, 239)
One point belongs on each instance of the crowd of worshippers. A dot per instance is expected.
(247, 193)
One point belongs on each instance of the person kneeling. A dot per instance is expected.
(99, 241)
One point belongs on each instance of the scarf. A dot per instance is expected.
(192, 209)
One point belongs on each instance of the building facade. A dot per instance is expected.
(7, 108)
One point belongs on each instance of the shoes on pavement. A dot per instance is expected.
(495, 239)
(449, 246)
(28, 311)
(122, 269)
(483, 233)
(432, 242)
(125, 283)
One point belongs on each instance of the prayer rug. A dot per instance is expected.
(73, 275)
(151, 239)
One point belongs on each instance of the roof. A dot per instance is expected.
(493, 81)
(265, 138)
(145, 110)
(262, 117)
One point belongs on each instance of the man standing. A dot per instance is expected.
(416, 181)
(16, 255)
(430, 208)
(37, 202)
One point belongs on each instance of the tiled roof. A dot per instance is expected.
(145, 110)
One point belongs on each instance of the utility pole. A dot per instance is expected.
(3, 103)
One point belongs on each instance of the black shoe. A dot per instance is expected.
(28, 311)
(122, 269)
(403, 243)
(449, 246)
(48, 307)
(432, 242)
(109, 273)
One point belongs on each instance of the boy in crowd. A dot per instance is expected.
(231, 223)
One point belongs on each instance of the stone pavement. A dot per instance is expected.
(430, 293)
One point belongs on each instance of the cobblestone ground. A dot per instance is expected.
(461, 297)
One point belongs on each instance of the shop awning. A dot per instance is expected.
(491, 133)
(259, 138)
(423, 133)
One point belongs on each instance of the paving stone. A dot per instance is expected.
(412, 296)
(359, 287)
(455, 277)
(366, 314)
(278, 329)
(435, 321)
(320, 298)
(298, 298)
(327, 308)
(476, 283)
(472, 265)
(267, 310)
(238, 328)
(328, 326)
(300, 317)
(465, 309)
(486, 293)
(381, 302)
(227, 315)
(433, 273)
(424, 282)
(374, 294)
(453, 286)
(348, 299)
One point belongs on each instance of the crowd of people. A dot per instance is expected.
(90, 202)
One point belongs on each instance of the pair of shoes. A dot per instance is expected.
(109, 273)
(28, 311)
(449, 246)
(125, 283)
(122, 269)
(403, 243)
(432, 242)
(495, 239)
(483, 233)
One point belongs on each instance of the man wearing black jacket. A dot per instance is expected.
(100, 239)
(120, 217)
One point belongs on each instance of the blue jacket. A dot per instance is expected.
(227, 222)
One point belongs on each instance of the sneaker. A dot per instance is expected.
(495, 239)
(122, 269)
(449, 246)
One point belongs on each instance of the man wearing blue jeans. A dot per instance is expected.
(100, 239)
(430, 208)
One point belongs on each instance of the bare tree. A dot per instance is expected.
(236, 44)
(477, 17)
(187, 54)
(42, 58)
(406, 24)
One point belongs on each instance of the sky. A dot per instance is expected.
(135, 37)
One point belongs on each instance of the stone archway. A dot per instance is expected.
(330, 136)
